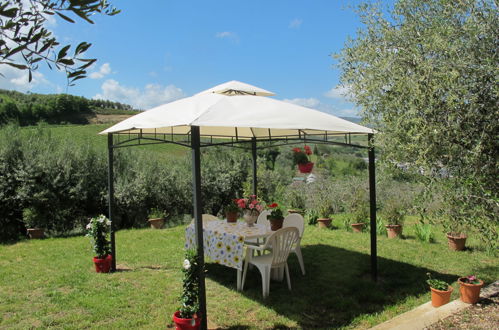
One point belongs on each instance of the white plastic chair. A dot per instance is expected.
(297, 221)
(281, 241)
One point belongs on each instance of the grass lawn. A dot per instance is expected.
(51, 283)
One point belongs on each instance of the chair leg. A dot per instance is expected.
(266, 281)
(287, 276)
(245, 269)
(300, 259)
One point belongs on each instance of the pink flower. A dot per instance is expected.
(251, 206)
(472, 278)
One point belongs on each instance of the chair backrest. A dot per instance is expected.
(262, 218)
(206, 218)
(281, 242)
(295, 220)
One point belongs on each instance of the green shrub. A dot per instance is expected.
(424, 232)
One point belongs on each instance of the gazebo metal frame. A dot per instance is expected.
(196, 141)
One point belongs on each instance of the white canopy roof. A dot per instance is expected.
(234, 109)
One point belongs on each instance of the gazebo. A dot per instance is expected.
(234, 114)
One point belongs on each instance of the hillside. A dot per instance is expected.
(29, 109)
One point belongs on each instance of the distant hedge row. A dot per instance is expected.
(62, 183)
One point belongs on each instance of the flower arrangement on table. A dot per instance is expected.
(275, 217)
(188, 311)
(98, 230)
(250, 205)
(300, 157)
(251, 208)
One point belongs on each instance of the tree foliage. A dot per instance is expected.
(25, 39)
(426, 76)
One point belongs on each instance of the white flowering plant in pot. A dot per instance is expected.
(98, 230)
(190, 286)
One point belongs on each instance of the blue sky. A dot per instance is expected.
(154, 52)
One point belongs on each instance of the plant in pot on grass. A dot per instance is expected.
(393, 213)
(187, 316)
(440, 291)
(34, 222)
(469, 288)
(275, 217)
(300, 158)
(455, 225)
(251, 208)
(232, 211)
(359, 210)
(157, 218)
(295, 197)
(98, 230)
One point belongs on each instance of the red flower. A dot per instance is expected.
(296, 149)
(273, 205)
(308, 151)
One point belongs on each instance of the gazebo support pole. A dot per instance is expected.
(196, 195)
(372, 206)
(253, 153)
(110, 187)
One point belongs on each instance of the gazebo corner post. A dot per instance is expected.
(372, 207)
(254, 158)
(197, 203)
(110, 202)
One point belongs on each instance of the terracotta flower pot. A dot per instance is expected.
(306, 168)
(357, 227)
(324, 222)
(393, 231)
(470, 293)
(457, 242)
(36, 233)
(103, 265)
(157, 223)
(275, 224)
(231, 216)
(186, 324)
(439, 298)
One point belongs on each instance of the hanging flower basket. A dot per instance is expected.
(306, 168)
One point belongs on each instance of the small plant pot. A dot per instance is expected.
(457, 243)
(103, 265)
(36, 233)
(393, 231)
(186, 324)
(157, 223)
(470, 293)
(357, 227)
(306, 168)
(231, 216)
(439, 298)
(275, 224)
(324, 222)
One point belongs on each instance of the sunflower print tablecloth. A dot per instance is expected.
(224, 242)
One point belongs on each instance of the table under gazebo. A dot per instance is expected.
(234, 114)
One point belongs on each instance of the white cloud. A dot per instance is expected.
(228, 35)
(104, 70)
(316, 104)
(19, 79)
(338, 92)
(295, 24)
(150, 96)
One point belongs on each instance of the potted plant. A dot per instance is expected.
(275, 217)
(98, 230)
(440, 291)
(469, 288)
(232, 211)
(359, 210)
(454, 224)
(300, 158)
(34, 222)
(157, 218)
(251, 208)
(187, 316)
(393, 214)
(295, 197)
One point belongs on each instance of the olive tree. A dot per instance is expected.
(425, 74)
(25, 40)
